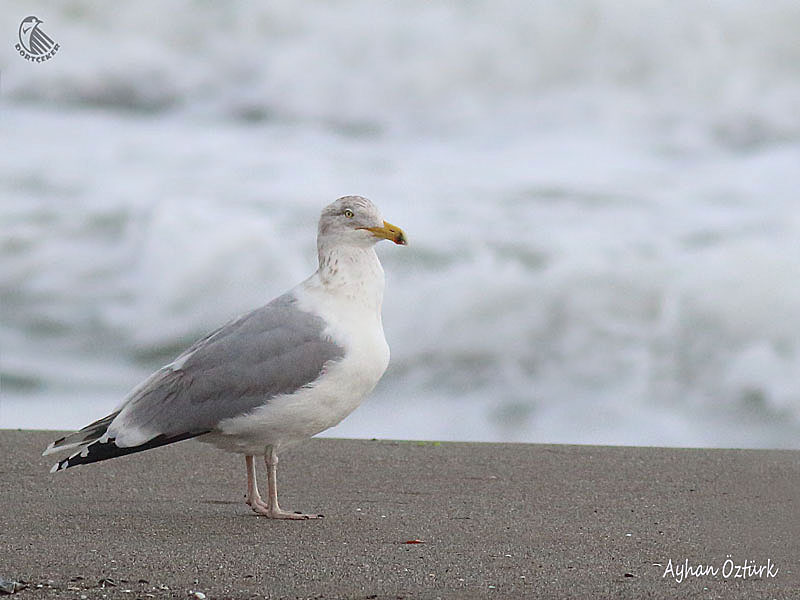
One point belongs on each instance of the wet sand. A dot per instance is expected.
(494, 520)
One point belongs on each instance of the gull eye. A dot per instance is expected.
(349, 213)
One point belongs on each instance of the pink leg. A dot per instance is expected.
(269, 508)
(253, 497)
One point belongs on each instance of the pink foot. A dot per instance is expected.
(262, 508)
(278, 513)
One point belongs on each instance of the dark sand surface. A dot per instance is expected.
(497, 521)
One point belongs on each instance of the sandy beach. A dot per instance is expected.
(491, 520)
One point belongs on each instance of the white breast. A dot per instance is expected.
(353, 320)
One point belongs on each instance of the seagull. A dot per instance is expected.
(272, 377)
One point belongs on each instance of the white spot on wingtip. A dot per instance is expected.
(54, 468)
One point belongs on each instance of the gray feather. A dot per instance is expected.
(90, 433)
(276, 349)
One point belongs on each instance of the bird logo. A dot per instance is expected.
(34, 44)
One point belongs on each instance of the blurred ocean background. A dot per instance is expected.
(602, 199)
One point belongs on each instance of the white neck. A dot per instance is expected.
(352, 271)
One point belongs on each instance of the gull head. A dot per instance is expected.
(356, 221)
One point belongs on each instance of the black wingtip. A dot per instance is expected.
(84, 437)
(104, 450)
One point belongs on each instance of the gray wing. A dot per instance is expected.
(276, 349)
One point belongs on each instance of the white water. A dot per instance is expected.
(602, 204)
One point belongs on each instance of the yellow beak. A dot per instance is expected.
(389, 232)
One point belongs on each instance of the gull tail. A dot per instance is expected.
(87, 435)
(104, 448)
(93, 444)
